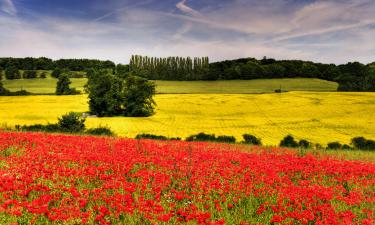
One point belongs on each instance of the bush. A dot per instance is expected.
(346, 147)
(29, 74)
(304, 144)
(62, 86)
(251, 139)
(155, 137)
(43, 75)
(288, 141)
(226, 139)
(106, 131)
(12, 73)
(201, 137)
(72, 123)
(40, 128)
(363, 144)
(334, 145)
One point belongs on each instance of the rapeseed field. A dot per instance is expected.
(319, 117)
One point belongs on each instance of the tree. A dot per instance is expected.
(105, 97)
(62, 86)
(288, 141)
(138, 96)
(12, 72)
(29, 74)
(111, 95)
(56, 73)
(3, 90)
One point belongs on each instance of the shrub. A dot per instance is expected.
(334, 145)
(288, 141)
(226, 139)
(304, 143)
(62, 86)
(12, 73)
(43, 75)
(100, 131)
(201, 137)
(155, 137)
(72, 123)
(251, 139)
(346, 147)
(363, 144)
(40, 128)
(29, 74)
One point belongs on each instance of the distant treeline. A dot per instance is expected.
(44, 63)
(171, 68)
(353, 76)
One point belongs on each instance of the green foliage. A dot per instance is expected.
(111, 95)
(201, 137)
(155, 137)
(62, 86)
(171, 68)
(3, 90)
(29, 74)
(288, 141)
(40, 128)
(12, 73)
(43, 75)
(99, 131)
(226, 139)
(363, 143)
(304, 144)
(56, 73)
(211, 137)
(334, 145)
(105, 93)
(72, 123)
(138, 95)
(251, 139)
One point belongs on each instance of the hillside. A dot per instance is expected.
(48, 85)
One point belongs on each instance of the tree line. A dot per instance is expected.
(171, 68)
(43, 63)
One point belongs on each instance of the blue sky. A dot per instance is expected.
(331, 31)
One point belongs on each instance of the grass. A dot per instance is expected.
(41, 86)
(48, 85)
(319, 117)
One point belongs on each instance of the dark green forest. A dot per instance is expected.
(352, 76)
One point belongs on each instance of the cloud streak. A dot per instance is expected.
(8, 7)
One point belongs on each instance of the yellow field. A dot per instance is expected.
(320, 117)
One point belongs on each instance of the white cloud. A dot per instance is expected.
(188, 10)
(7, 6)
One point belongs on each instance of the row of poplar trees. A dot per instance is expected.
(171, 68)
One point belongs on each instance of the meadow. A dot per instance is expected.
(59, 179)
(319, 117)
(48, 85)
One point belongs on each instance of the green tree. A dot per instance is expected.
(62, 86)
(29, 74)
(138, 95)
(105, 97)
(3, 90)
(12, 73)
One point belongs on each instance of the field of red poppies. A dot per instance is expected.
(59, 179)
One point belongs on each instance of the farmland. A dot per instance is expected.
(55, 179)
(320, 117)
(48, 85)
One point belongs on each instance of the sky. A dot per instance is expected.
(329, 31)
